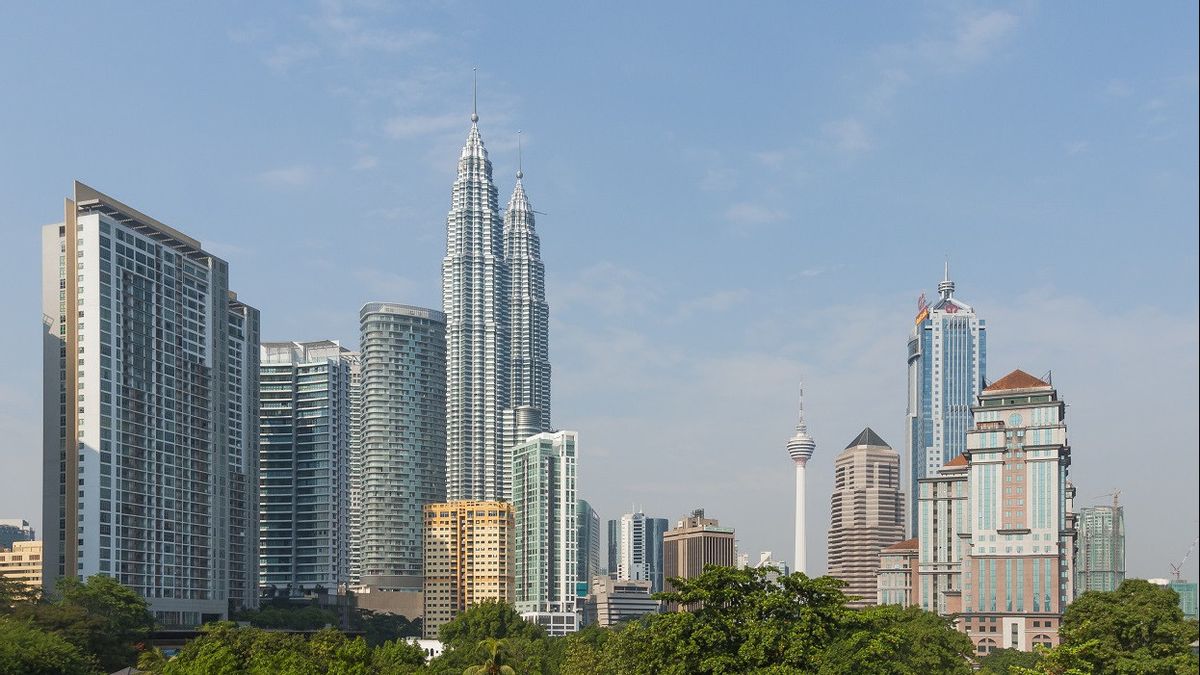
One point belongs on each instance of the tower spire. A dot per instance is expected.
(520, 168)
(475, 96)
(946, 287)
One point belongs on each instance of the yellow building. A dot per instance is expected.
(23, 563)
(468, 558)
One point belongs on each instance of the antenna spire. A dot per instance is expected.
(946, 269)
(801, 401)
(475, 96)
(520, 168)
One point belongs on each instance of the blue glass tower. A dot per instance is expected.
(947, 364)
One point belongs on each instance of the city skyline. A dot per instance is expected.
(637, 350)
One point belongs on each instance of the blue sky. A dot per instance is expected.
(733, 197)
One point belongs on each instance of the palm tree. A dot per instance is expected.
(497, 653)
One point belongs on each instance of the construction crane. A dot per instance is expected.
(1116, 496)
(1177, 570)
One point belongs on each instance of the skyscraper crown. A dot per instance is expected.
(801, 446)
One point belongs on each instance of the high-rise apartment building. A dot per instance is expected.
(468, 559)
(1100, 548)
(475, 287)
(694, 542)
(943, 535)
(867, 513)
(947, 363)
(403, 455)
(587, 559)
(150, 428)
(636, 545)
(528, 409)
(354, 361)
(544, 501)
(304, 448)
(1017, 574)
(15, 529)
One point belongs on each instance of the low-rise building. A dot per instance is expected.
(612, 601)
(23, 563)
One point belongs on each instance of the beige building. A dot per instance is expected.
(468, 558)
(867, 513)
(694, 542)
(897, 571)
(23, 563)
(613, 601)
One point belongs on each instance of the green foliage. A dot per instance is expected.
(496, 659)
(398, 657)
(227, 649)
(379, 628)
(894, 641)
(1137, 628)
(495, 619)
(100, 617)
(27, 650)
(14, 592)
(294, 617)
(1000, 661)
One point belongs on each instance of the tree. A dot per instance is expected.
(379, 628)
(99, 616)
(1137, 628)
(1002, 661)
(494, 619)
(28, 650)
(898, 641)
(398, 657)
(13, 592)
(496, 653)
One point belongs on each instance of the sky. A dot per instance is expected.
(732, 198)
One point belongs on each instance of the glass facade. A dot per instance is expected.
(544, 501)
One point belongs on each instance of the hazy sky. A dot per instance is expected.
(733, 197)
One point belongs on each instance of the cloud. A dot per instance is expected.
(713, 303)
(366, 162)
(288, 176)
(409, 126)
(977, 36)
(384, 285)
(1076, 147)
(848, 136)
(747, 213)
(348, 31)
(607, 289)
(283, 57)
(1118, 89)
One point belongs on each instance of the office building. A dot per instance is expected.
(150, 431)
(867, 513)
(613, 601)
(468, 559)
(354, 361)
(475, 287)
(1100, 548)
(800, 448)
(897, 573)
(528, 410)
(765, 560)
(544, 501)
(403, 355)
(15, 529)
(587, 559)
(942, 536)
(22, 563)
(636, 548)
(304, 463)
(1017, 573)
(694, 542)
(1186, 590)
(947, 363)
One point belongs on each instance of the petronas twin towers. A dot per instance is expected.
(497, 329)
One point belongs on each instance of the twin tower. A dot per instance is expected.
(497, 329)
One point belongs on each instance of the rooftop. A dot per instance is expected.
(906, 545)
(1017, 379)
(868, 437)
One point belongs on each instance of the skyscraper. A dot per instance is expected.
(800, 448)
(1100, 554)
(528, 410)
(694, 542)
(304, 447)
(867, 513)
(475, 296)
(15, 529)
(638, 548)
(403, 353)
(543, 498)
(587, 560)
(150, 427)
(354, 361)
(947, 363)
(468, 559)
(1017, 573)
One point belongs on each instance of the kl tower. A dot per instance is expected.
(800, 447)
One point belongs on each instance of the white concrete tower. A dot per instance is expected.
(800, 447)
